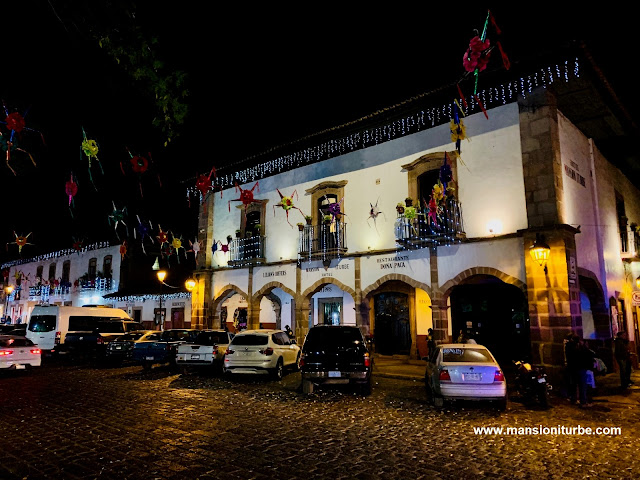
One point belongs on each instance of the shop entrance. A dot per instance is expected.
(494, 314)
(392, 328)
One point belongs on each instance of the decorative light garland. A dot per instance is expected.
(413, 123)
(59, 253)
(142, 298)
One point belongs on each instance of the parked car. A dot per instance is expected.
(163, 350)
(16, 329)
(207, 350)
(261, 352)
(336, 354)
(121, 349)
(93, 343)
(18, 352)
(465, 372)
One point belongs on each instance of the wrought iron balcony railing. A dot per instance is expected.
(324, 241)
(424, 230)
(39, 291)
(100, 284)
(246, 251)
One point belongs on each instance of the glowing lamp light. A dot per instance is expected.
(638, 282)
(162, 274)
(190, 284)
(540, 251)
(8, 289)
(494, 227)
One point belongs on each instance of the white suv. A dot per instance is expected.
(262, 352)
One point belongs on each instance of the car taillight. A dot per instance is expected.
(367, 360)
(444, 375)
(228, 352)
(6, 352)
(58, 336)
(36, 351)
(266, 351)
(215, 350)
(498, 376)
(99, 341)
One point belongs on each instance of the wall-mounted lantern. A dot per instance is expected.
(540, 251)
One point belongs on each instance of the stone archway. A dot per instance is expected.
(591, 287)
(492, 308)
(267, 291)
(225, 292)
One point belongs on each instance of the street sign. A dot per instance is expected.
(635, 297)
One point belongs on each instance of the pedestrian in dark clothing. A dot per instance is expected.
(571, 367)
(584, 358)
(290, 333)
(431, 343)
(623, 358)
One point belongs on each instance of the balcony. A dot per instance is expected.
(325, 241)
(99, 284)
(422, 230)
(247, 251)
(630, 245)
(43, 292)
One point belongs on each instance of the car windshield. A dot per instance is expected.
(211, 338)
(42, 323)
(471, 355)
(132, 335)
(338, 337)
(110, 327)
(175, 335)
(250, 339)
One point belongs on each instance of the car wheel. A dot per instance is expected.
(503, 404)
(297, 364)
(365, 388)
(543, 397)
(278, 371)
(307, 387)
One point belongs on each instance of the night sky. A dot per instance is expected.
(259, 77)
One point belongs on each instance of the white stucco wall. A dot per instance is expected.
(505, 255)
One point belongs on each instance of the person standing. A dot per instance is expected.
(623, 358)
(431, 343)
(571, 367)
(584, 358)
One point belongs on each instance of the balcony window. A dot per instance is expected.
(249, 245)
(66, 269)
(106, 266)
(52, 272)
(92, 270)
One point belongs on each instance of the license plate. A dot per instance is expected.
(149, 358)
(471, 376)
(195, 357)
(542, 380)
(118, 347)
(335, 374)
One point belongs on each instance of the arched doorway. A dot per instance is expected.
(494, 314)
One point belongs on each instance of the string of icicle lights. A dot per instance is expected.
(142, 298)
(59, 253)
(418, 121)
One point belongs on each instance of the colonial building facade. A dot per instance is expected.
(91, 275)
(458, 260)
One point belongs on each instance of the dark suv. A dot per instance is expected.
(335, 354)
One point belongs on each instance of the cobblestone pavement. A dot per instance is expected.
(77, 422)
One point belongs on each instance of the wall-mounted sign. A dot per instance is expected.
(635, 297)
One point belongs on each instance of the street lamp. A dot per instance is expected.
(190, 284)
(540, 251)
(161, 274)
(7, 291)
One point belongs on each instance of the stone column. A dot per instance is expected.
(438, 306)
(302, 321)
(553, 295)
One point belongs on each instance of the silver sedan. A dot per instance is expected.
(459, 371)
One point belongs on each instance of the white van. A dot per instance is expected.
(49, 324)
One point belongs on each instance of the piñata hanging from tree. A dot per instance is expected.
(10, 140)
(71, 189)
(89, 148)
(20, 241)
(477, 56)
(140, 166)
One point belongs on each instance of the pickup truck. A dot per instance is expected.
(148, 353)
(93, 344)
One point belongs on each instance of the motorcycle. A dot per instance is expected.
(532, 383)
